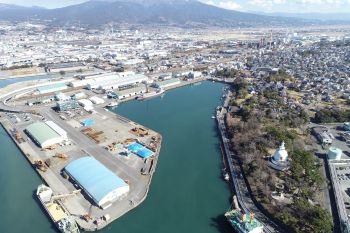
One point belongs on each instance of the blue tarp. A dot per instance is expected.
(145, 153)
(94, 177)
(88, 122)
(140, 150)
(135, 147)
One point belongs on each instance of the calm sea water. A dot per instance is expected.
(187, 192)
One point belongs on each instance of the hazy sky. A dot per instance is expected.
(298, 6)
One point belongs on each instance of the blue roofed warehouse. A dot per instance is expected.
(101, 184)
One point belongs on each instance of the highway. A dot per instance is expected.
(243, 196)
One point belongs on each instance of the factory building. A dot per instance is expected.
(46, 134)
(167, 83)
(67, 105)
(110, 80)
(120, 82)
(127, 93)
(51, 88)
(98, 182)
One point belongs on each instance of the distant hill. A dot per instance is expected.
(168, 12)
(14, 12)
(311, 16)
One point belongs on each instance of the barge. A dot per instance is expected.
(64, 222)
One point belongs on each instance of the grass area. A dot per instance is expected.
(295, 95)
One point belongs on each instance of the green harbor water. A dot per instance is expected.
(187, 193)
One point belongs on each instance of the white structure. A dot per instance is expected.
(120, 82)
(167, 83)
(62, 97)
(194, 74)
(110, 81)
(85, 103)
(102, 185)
(334, 153)
(46, 134)
(279, 160)
(51, 88)
(130, 92)
(57, 129)
(281, 155)
(96, 100)
(79, 95)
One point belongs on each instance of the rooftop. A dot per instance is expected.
(42, 132)
(94, 177)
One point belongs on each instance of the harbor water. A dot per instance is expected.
(187, 193)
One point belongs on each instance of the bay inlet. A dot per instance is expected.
(187, 193)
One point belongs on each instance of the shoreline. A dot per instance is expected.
(6, 124)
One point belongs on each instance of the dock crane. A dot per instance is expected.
(66, 195)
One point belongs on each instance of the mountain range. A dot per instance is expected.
(312, 15)
(164, 12)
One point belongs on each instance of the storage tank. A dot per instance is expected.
(334, 153)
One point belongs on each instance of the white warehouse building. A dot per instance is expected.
(120, 82)
(101, 184)
(46, 134)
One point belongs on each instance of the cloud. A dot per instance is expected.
(266, 4)
(270, 4)
(230, 5)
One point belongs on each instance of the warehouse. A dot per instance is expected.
(119, 82)
(67, 105)
(51, 88)
(127, 93)
(167, 83)
(99, 183)
(46, 134)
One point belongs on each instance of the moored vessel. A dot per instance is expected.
(151, 94)
(112, 104)
(226, 176)
(64, 222)
(243, 222)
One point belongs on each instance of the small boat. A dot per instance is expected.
(112, 104)
(151, 94)
(226, 176)
(64, 222)
(213, 117)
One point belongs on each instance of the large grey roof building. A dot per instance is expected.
(46, 134)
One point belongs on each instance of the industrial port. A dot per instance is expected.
(98, 164)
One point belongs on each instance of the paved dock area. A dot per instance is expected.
(130, 168)
(117, 132)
